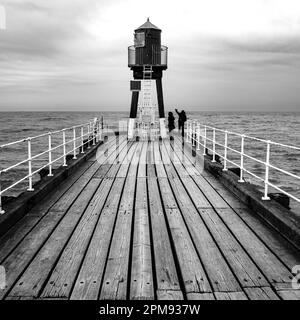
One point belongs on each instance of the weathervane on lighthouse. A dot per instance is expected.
(147, 58)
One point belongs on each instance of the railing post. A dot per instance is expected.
(30, 188)
(82, 146)
(266, 197)
(187, 131)
(50, 154)
(204, 142)
(198, 136)
(74, 143)
(64, 148)
(194, 133)
(89, 133)
(1, 209)
(99, 131)
(242, 160)
(225, 151)
(214, 145)
(94, 133)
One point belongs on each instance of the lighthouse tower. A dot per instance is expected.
(147, 58)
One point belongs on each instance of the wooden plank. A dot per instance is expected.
(116, 272)
(169, 295)
(17, 233)
(263, 293)
(273, 269)
(230, 296)
(141, 285)
(66, 269)
(160, 170)
(200, 296)
(122, 173)
(212, 195)
(142, 171)
(192, 272)
(88, 282)
(198, 162)
(289, 294)
(151, 171)
(166, 273)
(244, 268)
(37, 272)
(18, 260)
(217, 269)
(283, 249)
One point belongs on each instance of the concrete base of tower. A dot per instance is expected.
(130, 132)
(162, 126)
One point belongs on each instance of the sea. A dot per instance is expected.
(281, 127)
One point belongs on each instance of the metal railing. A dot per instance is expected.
(82, 136)
(203, 135)
(140, 56)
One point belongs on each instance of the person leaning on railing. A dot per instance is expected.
(181, 120)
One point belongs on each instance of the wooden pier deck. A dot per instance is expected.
(142, 220)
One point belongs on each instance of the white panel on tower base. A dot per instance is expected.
(130, 128)
(163, 131)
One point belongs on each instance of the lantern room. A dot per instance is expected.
(147, 48)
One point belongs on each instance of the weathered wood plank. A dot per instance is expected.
(230, 296)
(34, 276)
(200, 296)
(169, 295)
(88, 282)
(166, 273)
(289, 294)
(116, 273)
(217, 269)
(160, 170)
(263, 293)
(244, 268)
(64, 273)
(284, 250)
(272, 268)
(142, 171)
(141, 286)
(193, 274)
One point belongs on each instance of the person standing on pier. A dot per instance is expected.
(171, 122)
(181, 121)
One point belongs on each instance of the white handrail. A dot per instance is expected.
(93, 134)
(196, 136)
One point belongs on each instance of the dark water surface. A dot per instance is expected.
(278, 127)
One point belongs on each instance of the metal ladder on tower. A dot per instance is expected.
(146, 107)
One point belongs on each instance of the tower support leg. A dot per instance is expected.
(161, 108)
(133, 113)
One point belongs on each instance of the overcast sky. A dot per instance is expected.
(223, 55)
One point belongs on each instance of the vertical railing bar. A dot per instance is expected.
(74, 144)
(50, 154)
(214, 145)
(89, 133)
(242, 159)
(266, 197)
(30, 188)
(64, 149)
(204, 142)
(225, 151)
(82, 142)
(198, 136)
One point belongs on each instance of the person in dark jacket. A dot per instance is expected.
(181, 120)
(171, 122)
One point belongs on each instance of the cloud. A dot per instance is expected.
(80, 47)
